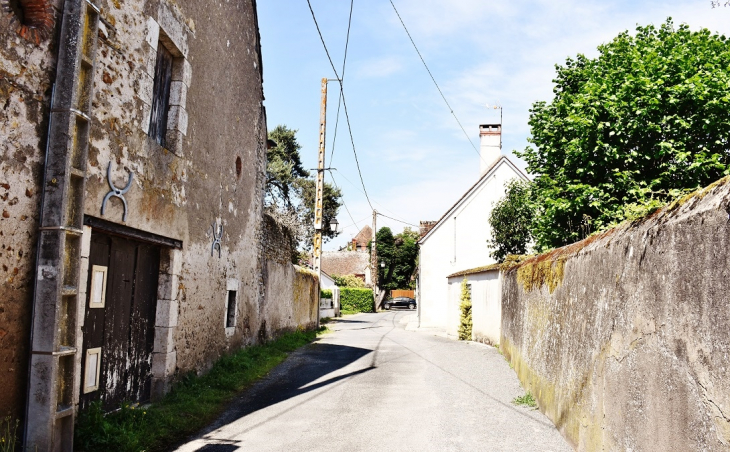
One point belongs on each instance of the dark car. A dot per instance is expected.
(400, 302)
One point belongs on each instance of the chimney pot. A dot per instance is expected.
(490, 145)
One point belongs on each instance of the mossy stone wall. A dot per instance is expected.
(624, 338)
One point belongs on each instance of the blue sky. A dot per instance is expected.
(415, 160)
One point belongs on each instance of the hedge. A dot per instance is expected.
(325, 293)
(355, 299)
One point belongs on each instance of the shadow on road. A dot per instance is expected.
(347, 321)
(295, 377)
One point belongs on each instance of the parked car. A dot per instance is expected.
(400, 302)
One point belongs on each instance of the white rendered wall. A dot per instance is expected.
(486, 311)
(486, 302)
(457, 243)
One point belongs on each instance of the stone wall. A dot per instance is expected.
(624, 338)
(291, 293)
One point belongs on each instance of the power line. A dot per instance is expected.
(353, 184)
(434, 80)
(343, 201)
(339, 98)
(400, 221)
(355, 224)
(344, 104)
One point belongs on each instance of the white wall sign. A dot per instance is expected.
(92, 366)
(98, 286)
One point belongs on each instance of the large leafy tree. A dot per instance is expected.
(645, 120)
(399, 253)
(511, 221)
(290, 194)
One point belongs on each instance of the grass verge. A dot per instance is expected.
(526, 400)
(193, 403)
(348, 312)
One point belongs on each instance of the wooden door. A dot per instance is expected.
(119, 321)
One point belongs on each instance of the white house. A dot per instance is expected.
(458, 241)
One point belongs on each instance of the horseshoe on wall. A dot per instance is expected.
(216, 239)
(119, 193)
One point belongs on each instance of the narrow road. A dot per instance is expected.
(371, 385)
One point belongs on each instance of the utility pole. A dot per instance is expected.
(374, 262)
(318, 206)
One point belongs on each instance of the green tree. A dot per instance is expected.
(644, 121)
(465, 321)
(283, 166)
(399, 253)
(348, 281)
(511, 221)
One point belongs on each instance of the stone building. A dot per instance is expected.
(131, 177)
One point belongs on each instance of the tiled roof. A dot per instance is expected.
(345, 262)
(364, 236)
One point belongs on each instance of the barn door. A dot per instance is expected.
(119, 321)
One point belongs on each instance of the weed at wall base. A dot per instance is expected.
(526, 400)
(8, 434)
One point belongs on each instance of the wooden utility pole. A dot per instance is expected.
(374, 262)
(318, 206)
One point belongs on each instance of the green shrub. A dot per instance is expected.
(326, 293)
(356, 299)
(465, 306)
(348, 281)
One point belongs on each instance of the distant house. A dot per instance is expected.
(361, 240)
(458, 240)
(340, 263)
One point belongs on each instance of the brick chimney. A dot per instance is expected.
(490, 145)
(425, 227)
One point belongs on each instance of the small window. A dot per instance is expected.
(231, 309)
(161, 95)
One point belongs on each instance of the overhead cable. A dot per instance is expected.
(344, 104)
(434, 80)
(400, 221)
(353, 184)
(332, 176)
(339, 98)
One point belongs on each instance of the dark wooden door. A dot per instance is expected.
(119, 334)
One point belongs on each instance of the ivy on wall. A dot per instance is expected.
(465, 321)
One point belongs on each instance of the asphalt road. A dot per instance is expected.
(372, 385)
